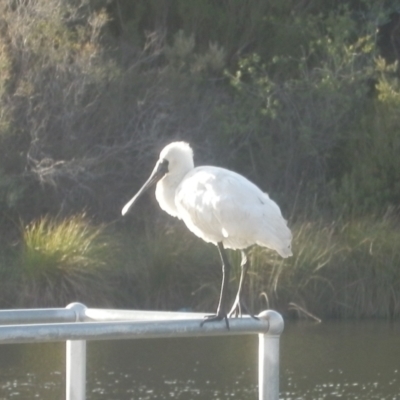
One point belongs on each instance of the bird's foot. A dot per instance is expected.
(219, 316)
(236, 310)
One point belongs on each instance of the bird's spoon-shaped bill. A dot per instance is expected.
(159, 171)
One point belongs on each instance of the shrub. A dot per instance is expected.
(370, 182)
(293, 113)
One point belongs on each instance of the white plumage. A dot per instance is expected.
(216, 204)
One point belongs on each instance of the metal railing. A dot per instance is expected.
(76, 324)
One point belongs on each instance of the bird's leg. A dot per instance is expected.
(221, 313)
(236, 309)
(238, 304)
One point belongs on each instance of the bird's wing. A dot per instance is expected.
(220, 205)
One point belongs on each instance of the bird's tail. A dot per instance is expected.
(285, 252)
(278, 237)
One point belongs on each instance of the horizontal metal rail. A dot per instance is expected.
(76, 324)
(125, 330)
(35, 316)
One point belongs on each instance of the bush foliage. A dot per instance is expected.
(301, 97)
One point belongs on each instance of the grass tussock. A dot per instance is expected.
(62, 261)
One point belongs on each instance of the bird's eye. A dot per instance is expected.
(163, 166)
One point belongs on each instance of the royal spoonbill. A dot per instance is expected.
(219, 206)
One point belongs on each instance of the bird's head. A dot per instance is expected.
(178, 156)
(175, 158)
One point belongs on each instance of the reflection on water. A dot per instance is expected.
(348, 360)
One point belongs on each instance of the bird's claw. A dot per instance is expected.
(216, 317)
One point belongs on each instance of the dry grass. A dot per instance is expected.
(341, 270)
(168, 268)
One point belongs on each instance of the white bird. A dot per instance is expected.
(219, 206)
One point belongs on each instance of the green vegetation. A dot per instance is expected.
(62, 260)
(300, 97)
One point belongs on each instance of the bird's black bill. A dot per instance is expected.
(159, 172)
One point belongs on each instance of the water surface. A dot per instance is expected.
(346, 360)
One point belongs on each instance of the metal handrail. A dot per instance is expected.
(76, 324)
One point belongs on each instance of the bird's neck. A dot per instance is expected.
(166, 191)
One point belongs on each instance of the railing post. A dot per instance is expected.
(76, 361)
(268, 357)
